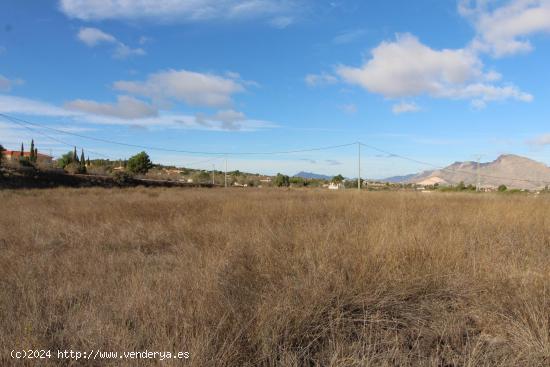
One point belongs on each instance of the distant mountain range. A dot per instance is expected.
(511, 170)
(312, 175)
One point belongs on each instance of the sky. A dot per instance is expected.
(436, 81)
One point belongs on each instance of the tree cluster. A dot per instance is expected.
(281, 180)
(71, 163)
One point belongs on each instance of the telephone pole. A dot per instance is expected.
(225, 178)
(478, 185)
(359, 166)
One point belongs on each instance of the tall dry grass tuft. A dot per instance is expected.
(277, 278)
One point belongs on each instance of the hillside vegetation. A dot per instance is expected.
(277, 277)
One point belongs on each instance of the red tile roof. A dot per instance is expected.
(17, 153)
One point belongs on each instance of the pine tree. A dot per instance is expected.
(32, 158)
(82, 159)
(75, 156)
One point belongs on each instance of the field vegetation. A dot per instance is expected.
(277, 277)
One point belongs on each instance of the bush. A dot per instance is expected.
(75, 168)
(122, 178)
(65, 160)
(502, 188)
(139, 164)
(281, 180)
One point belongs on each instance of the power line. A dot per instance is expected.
(56, 139)
(108, 141)
(21, 122)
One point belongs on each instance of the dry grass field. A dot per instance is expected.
(276, 277)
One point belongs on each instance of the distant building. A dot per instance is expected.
(336, 186)
(15, 155)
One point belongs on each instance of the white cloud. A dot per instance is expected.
(11, 104)
(122, 51)
(7, 84)
(404, 107)
(314, 80)
(93, 37)
(504, 30)
(106, 114)
(541, 140)
(277, 11)
(193, 88)
(349, 108)
(408, 68)
(281, 22)
(229, 120)
(349, 36)
(125, 108)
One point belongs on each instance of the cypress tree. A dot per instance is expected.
(35, 154)
(88, 161)
(75, 156)
(31, 151)
(32, 158)
(82, 159)
(22, 155)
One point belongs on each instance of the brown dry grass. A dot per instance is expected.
(277, 278)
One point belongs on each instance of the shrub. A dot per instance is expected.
(502, 188)
(122, 178)
(65, 160)
(75, 168)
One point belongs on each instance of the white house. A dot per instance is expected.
(336, 186)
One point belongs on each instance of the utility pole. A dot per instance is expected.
(478, 186)
(359, 166)
(225, 178)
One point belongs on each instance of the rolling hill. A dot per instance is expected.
(511, 170)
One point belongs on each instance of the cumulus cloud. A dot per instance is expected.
(93, 37)
(196, 89)
(504, 30)
(404, 107)
(406, 68)
(125, 108)
(277, 12)
(314, 80)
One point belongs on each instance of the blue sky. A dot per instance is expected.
(437, 81)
